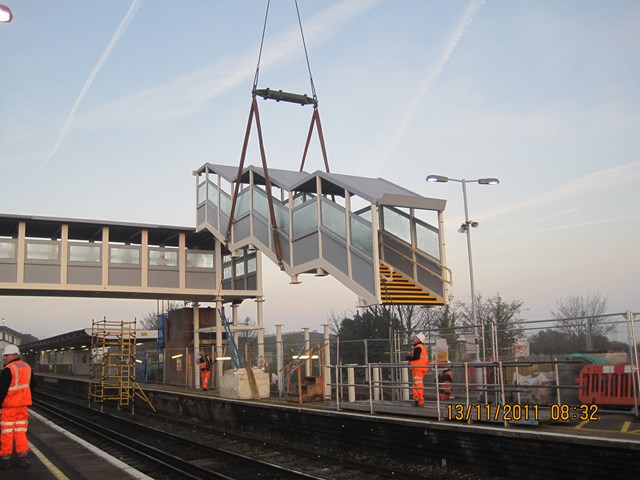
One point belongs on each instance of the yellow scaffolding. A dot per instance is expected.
(113, 363)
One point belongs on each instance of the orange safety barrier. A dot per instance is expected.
(606, 385)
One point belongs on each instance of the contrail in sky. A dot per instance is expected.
(592, 184)
(135, 5)
(470, 12)
(185, 94)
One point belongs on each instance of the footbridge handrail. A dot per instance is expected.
(413, 262)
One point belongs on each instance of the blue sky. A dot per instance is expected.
(107, 108)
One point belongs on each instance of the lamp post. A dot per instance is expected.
(466, 228)
(5, 14)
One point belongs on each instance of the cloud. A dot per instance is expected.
(591, 184)
(135, 5)
(186, 94)
(405, 122)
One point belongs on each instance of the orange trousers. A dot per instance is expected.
(14, 423)
(418, 384)
(204, 378)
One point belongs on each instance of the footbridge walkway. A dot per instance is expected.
(64, 257)
(380, 240)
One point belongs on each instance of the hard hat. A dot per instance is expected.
(10, 350)
(421, 337)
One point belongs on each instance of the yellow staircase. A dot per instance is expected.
(395, 288)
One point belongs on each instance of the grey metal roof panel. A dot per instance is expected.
(368, 188)
(81, 229)
(285, 179)
(374, 190)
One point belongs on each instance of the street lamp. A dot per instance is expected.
(5, 14)
(466, 228)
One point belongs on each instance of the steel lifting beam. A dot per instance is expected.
(280, 96)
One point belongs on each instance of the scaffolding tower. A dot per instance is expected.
(113, 363)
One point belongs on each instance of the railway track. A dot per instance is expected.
(163, 448)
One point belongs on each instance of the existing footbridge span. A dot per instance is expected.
(380, 240)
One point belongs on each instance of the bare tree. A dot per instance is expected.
(581, 316)
(150, 320)
(495, 312)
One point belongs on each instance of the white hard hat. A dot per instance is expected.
(10, 350)
(420, 337)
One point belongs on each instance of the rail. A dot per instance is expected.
(513, 392)
(414, 262)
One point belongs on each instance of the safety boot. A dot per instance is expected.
(5, 464)
(24, 462)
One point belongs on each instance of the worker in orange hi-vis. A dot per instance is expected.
(419, 362)
(205, 369)
(445, 381)
(16, 382)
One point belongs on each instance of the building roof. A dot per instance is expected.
(91, 230)
(24, 337)
(375, 190)
(79, 338)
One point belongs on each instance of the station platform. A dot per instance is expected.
(59, 455)
(602, 448)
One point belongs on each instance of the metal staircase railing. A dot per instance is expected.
(231, 342)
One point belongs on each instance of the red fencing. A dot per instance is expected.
(607, 385)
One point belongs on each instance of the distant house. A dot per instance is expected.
(9, 336)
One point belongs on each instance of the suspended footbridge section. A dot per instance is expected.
(380, 240)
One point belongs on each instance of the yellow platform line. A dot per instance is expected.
(55, 471)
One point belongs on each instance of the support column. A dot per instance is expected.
(64, 254)
(307, 346)
(105, 257)
(376, 248)
(219, 365)
(279, 359)
(260, 313)
(144, 258)
(327, 361)
(196, 344)
(182, 261)
(21, 254)
(347, 213)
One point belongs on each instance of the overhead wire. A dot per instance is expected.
(264, 29)
(306, 54)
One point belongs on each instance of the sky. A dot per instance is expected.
(108, 107)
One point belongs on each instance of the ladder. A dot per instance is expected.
(235, 356)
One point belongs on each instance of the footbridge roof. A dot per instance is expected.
(374, 190)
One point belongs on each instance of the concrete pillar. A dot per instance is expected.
(326, 351)
(144, 258)
(307, 346)
(260, 313)
(280, 359)
(404, 377)
(21, 253)
(219, 353)
(351, 380)
(375, 373)
(64, 254)
(196, 344)
(105, 257)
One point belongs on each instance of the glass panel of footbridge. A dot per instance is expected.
(305, 219)
(333, 218)
(361, 233)
(243, 204)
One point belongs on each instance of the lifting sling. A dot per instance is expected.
(278, 96)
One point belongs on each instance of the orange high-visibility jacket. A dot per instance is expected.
(423, 361)
(19, 394)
